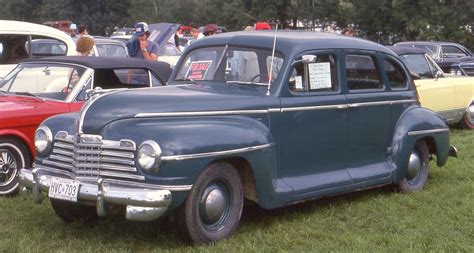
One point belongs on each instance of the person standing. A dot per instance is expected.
(83, 31)
(139, 46)
(84, 45)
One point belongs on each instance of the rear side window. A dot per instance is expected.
(14, 48)
(121, 78)
(362, 73)
(395, 74)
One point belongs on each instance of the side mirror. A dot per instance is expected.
(438, 74)
(307, 58)
(90, 93)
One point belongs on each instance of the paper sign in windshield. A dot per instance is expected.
(198, 69)
(319, 75)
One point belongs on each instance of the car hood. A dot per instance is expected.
(24, 110)
(162, 32)
(187, 98)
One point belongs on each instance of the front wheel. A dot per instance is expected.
(418, 165)
(467, 121)
(13, 157)
(213, 207)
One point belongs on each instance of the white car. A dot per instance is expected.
(15, 38)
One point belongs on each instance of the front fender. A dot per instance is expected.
(189, 144)
(415, 124)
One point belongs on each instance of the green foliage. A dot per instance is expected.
(384, 21)
(438, 219)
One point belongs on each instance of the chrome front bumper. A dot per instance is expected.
(142, 204)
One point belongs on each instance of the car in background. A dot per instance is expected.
(317, 115)
(163, 34)
(453, 58)
(14, 46)
(102, 47)
(122, 34)
(39, 88)
(450, 96)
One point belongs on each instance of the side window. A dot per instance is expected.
(395, 75)
(362, 73)
(45, 46)
(14, 48)
(452, 51)
(320, 76)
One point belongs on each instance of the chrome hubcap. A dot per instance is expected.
(414, 165)
(470, 114)
(8, 167)
(213, 205)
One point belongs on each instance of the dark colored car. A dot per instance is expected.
(322, 115)
(453, 58)
(38, 89)
(102, 47)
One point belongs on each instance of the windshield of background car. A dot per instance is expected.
(231, 65)
(417, 63)
(432, 50)
(53, 81)
(112, 50)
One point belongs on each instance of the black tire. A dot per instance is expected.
(417, 169)
(196, 220)
(13, 157)
(467, 121)
(70, 211)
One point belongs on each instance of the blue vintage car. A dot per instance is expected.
(248, 115)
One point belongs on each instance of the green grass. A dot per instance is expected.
(439, 219)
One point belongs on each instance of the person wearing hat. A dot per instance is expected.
(211, 29)
(139, 46)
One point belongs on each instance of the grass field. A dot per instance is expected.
(441, 218)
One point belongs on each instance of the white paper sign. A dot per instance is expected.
(299, 82)
(319, 75)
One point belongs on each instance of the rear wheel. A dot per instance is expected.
(418, 165)
(467, 121)
(69, 211)
(13, 157)
(214, 205)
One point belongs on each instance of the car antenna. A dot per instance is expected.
(271, 64)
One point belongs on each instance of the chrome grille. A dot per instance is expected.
(89, 157)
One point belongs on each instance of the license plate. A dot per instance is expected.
(63, 188)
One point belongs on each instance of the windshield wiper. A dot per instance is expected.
(244, 82)
(26, 93)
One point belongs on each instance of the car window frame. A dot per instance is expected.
(378, 65)
(308, 92)
(401, 66)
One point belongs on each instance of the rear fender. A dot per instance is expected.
(418, 124)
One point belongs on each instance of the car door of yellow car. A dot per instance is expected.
(437, 94)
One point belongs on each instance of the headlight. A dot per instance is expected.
(149, 156)
(43, 140)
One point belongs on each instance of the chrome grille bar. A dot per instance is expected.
(93, 157)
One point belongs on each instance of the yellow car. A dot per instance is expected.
(450, 96)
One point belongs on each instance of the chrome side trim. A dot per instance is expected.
(392, 102)
(207, 113)
(314, 108)
(274, 110)
(431, 131)
(217, 153)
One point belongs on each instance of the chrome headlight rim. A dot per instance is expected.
(49, 140)
(154, 167)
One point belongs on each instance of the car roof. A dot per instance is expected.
(162, 69)
(402, 50)
(289, 41)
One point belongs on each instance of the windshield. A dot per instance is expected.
(417, 63)
(432, 50)
(231, 65)
(44, 80)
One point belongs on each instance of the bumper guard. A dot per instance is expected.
(142, 204)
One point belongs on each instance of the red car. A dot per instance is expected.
(38, 89)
